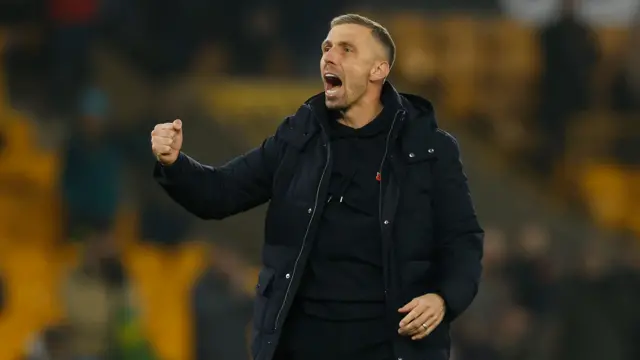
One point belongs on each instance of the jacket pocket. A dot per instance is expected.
(418, 186)
(263, 292)
(419, 172)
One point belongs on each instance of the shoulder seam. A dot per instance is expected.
(451, 137)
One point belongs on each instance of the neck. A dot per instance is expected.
(363, 112)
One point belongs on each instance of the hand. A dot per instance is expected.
(425, 313)
(166, 141)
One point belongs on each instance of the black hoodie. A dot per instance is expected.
(344, 278)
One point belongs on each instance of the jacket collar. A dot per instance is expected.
(416, 118)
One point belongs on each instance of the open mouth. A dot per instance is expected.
(332, 83)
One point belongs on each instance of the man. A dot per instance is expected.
(372, 246)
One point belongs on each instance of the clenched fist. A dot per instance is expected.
(166, 141)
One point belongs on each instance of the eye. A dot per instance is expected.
(326, 48)
(348, 49)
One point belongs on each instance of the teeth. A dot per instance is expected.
(331, 76)
(331, 92)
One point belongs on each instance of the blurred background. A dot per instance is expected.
(97, 264)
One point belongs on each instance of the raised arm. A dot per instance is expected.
(213, 192)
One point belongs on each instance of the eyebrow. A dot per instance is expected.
(341, 43)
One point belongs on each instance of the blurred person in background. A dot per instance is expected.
(477, 328)
(51, 344)
(93, 294)
(222, 307)
(533, 281)
(587, 325)
(358, 168)
(626, 87)
(625, 100)
(530, 270)
(625, 295)
(103, 317)
(91, 171)
(569, 55)
(513, 337)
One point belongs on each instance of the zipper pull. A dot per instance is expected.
(329, 199)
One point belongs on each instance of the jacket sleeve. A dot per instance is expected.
(218, 192)
(458, 234)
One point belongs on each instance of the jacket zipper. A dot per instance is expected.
(306, 234)
(382, 178)
(384, 157)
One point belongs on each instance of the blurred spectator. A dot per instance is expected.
(513, 335)
(129, 341)
(93, 296)
(586, 327)
(626, 87)
(530, 270)
(625, 101)
(103, 320)
(532, 281)
(477, 328)
(569, 55)
(222, 308)
(51, 344)
(91, 179)
(72, 31)
(625, 296)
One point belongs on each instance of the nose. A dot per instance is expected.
(329, 57)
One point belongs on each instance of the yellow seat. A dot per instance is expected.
(32, 274)
(21, 156)
(605, 188)
(163, 280)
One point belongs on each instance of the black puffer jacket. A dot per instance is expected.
(431, 238)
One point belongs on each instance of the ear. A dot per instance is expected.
(379, 71)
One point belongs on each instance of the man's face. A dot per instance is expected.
(349, 55)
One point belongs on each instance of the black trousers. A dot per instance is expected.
(307, 337)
